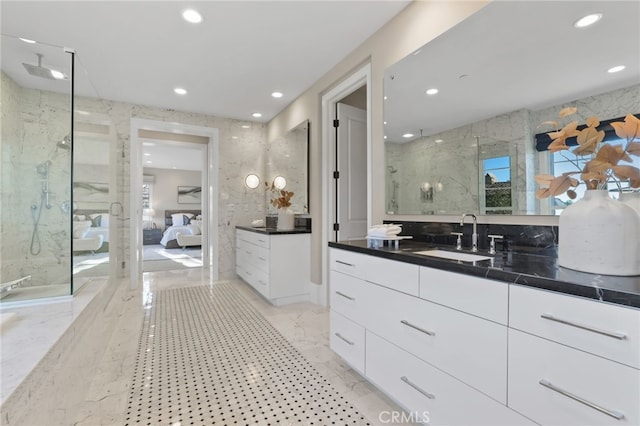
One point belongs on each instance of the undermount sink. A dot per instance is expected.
(452, 255)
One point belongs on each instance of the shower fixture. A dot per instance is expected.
(392, 169)
(44, 72)
(64, 143)
(43, 170)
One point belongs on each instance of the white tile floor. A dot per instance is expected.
(195, 352)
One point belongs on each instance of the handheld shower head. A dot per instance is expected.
(44, 72)
(43, 169)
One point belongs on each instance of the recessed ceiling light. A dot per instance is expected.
(27, 40)
(385, 136)
(180, 91)
(384, 122)
(616, 69)
(234, 137)
(246, 126)
(585, 21)
(385, 98)
(147, 154)
(439, 141)
(277, 94)
(148, 144)
(407, 135)
(81, 112)
(192, 16)
(148, 162)
(256, 115)
(431, 91)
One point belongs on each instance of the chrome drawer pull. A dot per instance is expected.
(263, 259)
(413, 385)
(345, 263)
(247, 251)
(619, 336)
(339, 336)
(345, 296)
(408, 324)
(612, 413)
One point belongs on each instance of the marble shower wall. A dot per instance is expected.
(33, 122)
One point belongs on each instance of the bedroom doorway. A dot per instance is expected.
(173, 197)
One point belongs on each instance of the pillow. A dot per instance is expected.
(99, 220)
(96, 220)
(195, 229)
(80, 228)
(79, 217)
(180, 219)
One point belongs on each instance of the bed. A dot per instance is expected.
(91, 230)
(182, 228)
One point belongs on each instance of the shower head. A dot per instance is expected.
(43, 169)
(44, 72)
(65, 143)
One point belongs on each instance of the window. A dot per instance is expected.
(497, 185)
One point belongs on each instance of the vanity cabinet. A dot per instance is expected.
(459, 349)
(573, 361)
(276, 266)
(412, 347)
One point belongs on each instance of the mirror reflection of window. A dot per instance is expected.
(497, 185)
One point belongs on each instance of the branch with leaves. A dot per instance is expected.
(605, 159)
(282, 199)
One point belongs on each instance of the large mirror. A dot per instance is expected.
(499, 74)
(287, 166)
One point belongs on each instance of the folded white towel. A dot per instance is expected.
(386, 230)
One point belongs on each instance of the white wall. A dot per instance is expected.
(417, 24)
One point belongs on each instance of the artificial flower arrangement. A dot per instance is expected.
(282, 199)
(605, 163)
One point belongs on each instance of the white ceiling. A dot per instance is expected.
(138, 51)
(513, 55)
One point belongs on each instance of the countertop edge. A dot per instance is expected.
(273, 231)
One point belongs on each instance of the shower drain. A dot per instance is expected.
(206, 357)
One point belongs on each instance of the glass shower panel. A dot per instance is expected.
(35, 191)
(94, 219)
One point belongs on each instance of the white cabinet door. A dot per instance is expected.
(477, 296)
(424, 391)
(348, 296)
(470, 348)
(348, 262)
(400, 276)
(347, 339)
(609, 331)
(557, 385)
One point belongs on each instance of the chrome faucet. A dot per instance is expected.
(474, 236)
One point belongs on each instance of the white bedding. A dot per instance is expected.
(94, 231)
(170, 233)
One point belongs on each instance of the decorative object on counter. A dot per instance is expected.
(632, 198)
(258, 223)
(597, 234)
(282, 201)
(378, 234)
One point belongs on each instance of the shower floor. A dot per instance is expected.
(35, 292)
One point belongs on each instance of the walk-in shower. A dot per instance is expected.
(37, 129)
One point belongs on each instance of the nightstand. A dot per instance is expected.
(151, 236)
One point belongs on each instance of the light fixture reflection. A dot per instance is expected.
(252, 181)
(279, 182)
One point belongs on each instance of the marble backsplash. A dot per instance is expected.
(534, 239)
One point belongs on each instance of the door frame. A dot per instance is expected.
(349, 85)
(209, 196)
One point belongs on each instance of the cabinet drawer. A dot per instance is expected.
(426, 391)
(606, 384)
(400, 276)
(347, 340)
(258, 279)
(612, 332)
(254, 238)
(477, 296)
(347, 262)
(347, 296)
(470, 348)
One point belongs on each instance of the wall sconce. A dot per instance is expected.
(426, 192)
(279, 182)
(252, 181)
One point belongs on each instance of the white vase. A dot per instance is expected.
(599, 235)
(286, 219)
(631, 199)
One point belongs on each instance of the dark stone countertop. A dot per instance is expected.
(268, 230)
(515, 267)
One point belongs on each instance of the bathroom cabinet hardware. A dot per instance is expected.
(262, 282)
(247, 251)
(345, 263)
(613, 334)
(248, 273)
(408, 324)
(458, 240)
(416, 387)
(339, 336)
(345, 296)
(611, 413)
(492, 243)
(262, 258)
(262, 241)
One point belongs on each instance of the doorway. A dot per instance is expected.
(181, 135)
(359, 82)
